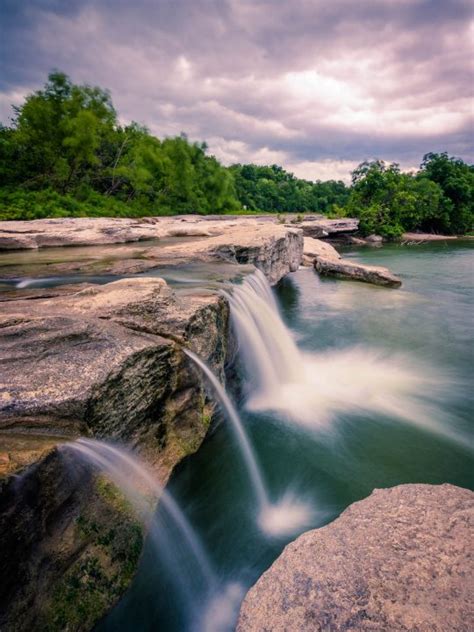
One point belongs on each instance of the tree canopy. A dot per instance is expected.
(65, 142)
(65, 153)
(272, 189)
(438, 198)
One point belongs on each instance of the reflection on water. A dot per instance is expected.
(374, 354)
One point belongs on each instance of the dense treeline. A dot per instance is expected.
(438, 198)
(272, 189)
(66, 154)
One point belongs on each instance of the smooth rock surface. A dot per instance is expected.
(398, 561)
(329, 227)
(78, 231)
(344, 269)
(418, 237)
(314, 248)
(271, 247)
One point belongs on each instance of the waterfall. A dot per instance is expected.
(275, 519)
(239, 432)
(312, 389)
(141, 489)
(212, 612)
(269, 352)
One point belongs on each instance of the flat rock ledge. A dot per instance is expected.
(105, 361)
(399, 560)
(329, 262)
(273, 248)
(341, 268)
(421, 237)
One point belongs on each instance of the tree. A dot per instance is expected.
(456, 181)
(58, 131)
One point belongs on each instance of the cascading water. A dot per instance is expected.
(275, 519)
(312, 389)
(197, 580)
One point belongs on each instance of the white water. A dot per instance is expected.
(312, 389)
(142, 489)
(275, 519)
(212, 612)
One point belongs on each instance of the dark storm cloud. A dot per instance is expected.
(315, 86)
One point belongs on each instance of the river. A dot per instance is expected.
(390, 402)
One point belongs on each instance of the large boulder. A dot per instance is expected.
(344, 269)
(400, 560)
(315, 248)
(106, 360)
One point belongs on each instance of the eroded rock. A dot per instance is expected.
(104, 361)
(69, 543)
(329, 227)
(344, 269)
(314, 248)
(400, 560)
(272, 247)
(108, 359)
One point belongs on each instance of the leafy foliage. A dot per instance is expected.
(66, 154)
(272, 189)
(439, 198)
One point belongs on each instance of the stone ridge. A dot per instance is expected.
(105, 361)
(397, 561)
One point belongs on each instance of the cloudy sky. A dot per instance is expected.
(314, 85)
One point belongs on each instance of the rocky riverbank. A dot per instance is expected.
(106, 361)
(398, 560)
(103, 361)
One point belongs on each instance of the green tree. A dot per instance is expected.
(57, 133)
(389, 202)
(456, 181)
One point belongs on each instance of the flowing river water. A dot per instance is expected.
(380, 395)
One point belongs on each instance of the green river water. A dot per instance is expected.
(427, 326)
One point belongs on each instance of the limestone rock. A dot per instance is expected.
(374, 239)
(274, 249)
(271, 247)
(68, 543)
(314, 248)
(78, 231)
(356, 241)
(398, 561)
(104, 361)
(105, 356)
(344, 269)
(419, 237)
(329, 227)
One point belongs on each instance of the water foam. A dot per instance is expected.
(288, 515)
(313, 389)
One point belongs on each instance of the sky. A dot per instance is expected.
(315, 86)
